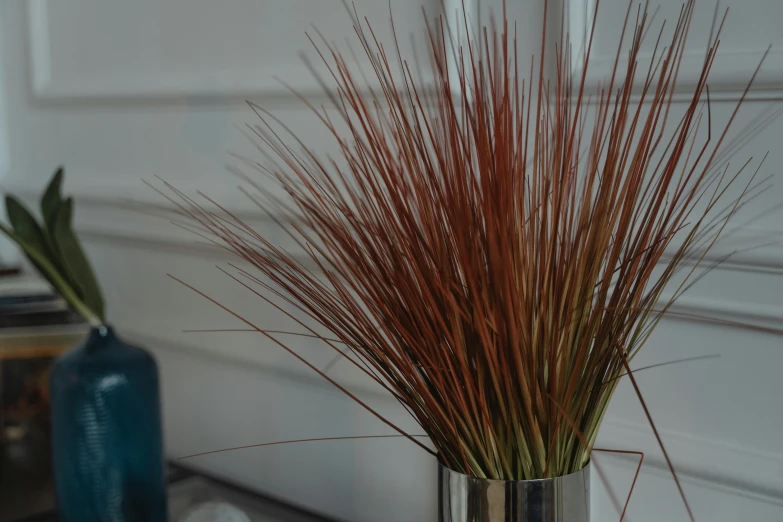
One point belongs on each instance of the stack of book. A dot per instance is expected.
(26, 301)
(34, 321)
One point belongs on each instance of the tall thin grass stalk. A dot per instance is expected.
(492, 248)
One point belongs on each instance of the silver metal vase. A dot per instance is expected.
(462, 498)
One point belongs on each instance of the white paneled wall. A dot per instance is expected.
(122, 91)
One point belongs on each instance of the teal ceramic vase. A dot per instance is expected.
(106, 432)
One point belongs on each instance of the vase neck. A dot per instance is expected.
(100, 337)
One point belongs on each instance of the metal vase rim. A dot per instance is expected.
(462, 498)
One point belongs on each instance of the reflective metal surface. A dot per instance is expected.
(467, 499)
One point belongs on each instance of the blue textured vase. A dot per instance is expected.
(106, 432)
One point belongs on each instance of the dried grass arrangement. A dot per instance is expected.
(493, 250)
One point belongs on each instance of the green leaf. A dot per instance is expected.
(53, 275)
(75, 261)
(25, 225)
(52, 199)
(27, 229)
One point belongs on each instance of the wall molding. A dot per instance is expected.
(728, 78)
(715, 463)
(142, 202)
(270, 82)
(764, 319)
(141, 222)
(231, 83)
